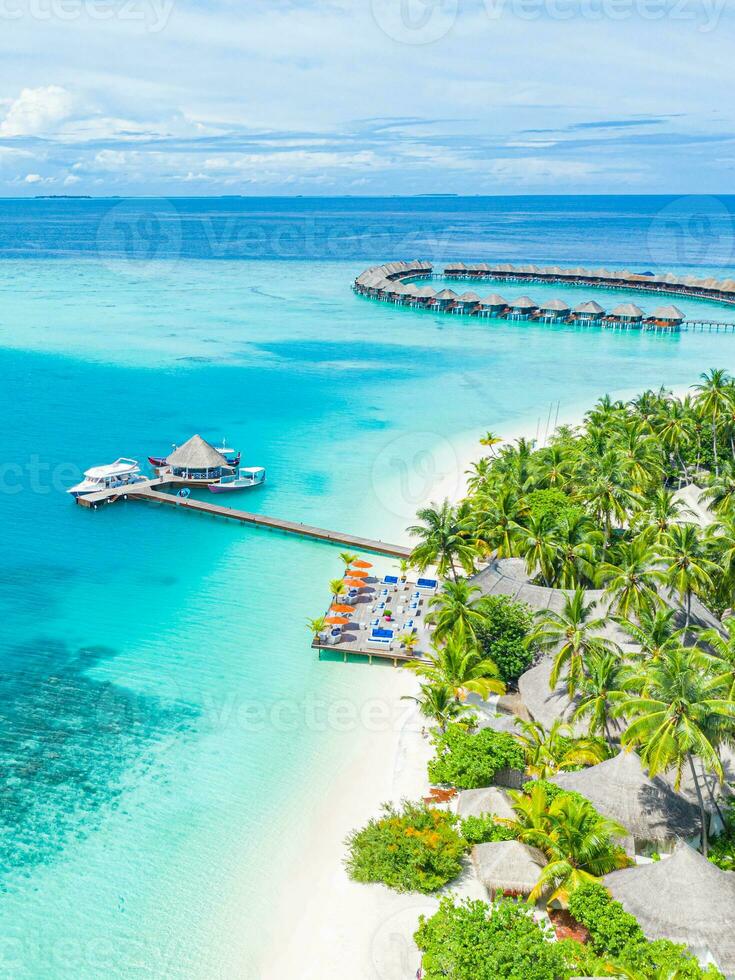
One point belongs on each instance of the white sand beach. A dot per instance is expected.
(337, 928)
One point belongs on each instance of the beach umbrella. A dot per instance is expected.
(356, 573)
(336, 620)
(361, 563)
(354, 583)
(341, 607)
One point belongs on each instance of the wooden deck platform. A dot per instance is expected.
(148, 491)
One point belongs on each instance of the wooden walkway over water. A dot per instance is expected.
(149, 491)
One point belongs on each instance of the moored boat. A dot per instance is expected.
(121, 473)
(246, 477)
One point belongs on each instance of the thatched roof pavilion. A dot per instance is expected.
(445, 296)
(523, 303)
(649, 809)
(197, 459)
(684, 898)
(491, 799)
(508, 866)
(468, 299)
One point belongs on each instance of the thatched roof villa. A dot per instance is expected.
(197, 459)
(508, 866)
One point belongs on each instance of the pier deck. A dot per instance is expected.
(148, 491)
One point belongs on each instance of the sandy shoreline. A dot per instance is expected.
(333, 927)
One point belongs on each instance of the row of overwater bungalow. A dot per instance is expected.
(723, 291)
(401, 289)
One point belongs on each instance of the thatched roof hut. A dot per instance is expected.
(491, 799)
(468, 299)
(555, 306)
(649, 809)
(684, 898)
(196, 454)
(446, 295)
(589, 309)
(508, 866)
(523, 303)
(494, 302)
(628, 311)
(670, 313)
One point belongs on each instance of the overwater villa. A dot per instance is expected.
(197, 461)
(626, 313)
(588, 312)
(667, 316)
(493, 305)
(555, 309)
(522, 308)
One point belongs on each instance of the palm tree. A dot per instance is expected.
(660, 512)
(536, 542)
(720, 539)
(552, 467)
(572, 634)
(722, 661)
(555, 750)
(714, 398)
(490, 440)
(316, 626)
(720, 490)
(686, 569)
(630, 582)
(640, 457)
(347, 557)
(455, 609)
(478, 473)
(675, 429)
(674, 718)
(606, 491)
(577, 543)
(498, 518)
(602, 688)
(655, 633)
(338, 588)
(443, 541)
(438, 703)
(409, 640)
(460, 666)
(577, 840)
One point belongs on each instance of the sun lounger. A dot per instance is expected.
(390, 580)
(427, 584)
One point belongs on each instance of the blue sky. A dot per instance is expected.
(176, 97)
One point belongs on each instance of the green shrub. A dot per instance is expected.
(554, 504)
(485, 830)
(611, 928)
(417, 848)
(468, 760)
(616, 934)
(722, 848)
(503, 634)
(552, 790)
(469, 941)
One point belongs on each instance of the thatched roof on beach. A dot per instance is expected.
(669, 312)
(589, 307)
(508, 865)
(684, 898)
(649, 809)
(523, 303)
(196, 454)
(627, 309)
(543, 703)
(491, 799)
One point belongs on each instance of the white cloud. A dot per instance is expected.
(37, 111)
(33, 179)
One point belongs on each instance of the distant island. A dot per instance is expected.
(62, 197)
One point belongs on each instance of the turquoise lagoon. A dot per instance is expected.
(163, 727)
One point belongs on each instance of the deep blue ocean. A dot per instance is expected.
(148, 781)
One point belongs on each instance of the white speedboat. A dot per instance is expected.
(243, 479)
(118, 474)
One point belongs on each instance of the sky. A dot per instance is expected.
(366, 97)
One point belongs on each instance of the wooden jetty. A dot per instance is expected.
(149, 491)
